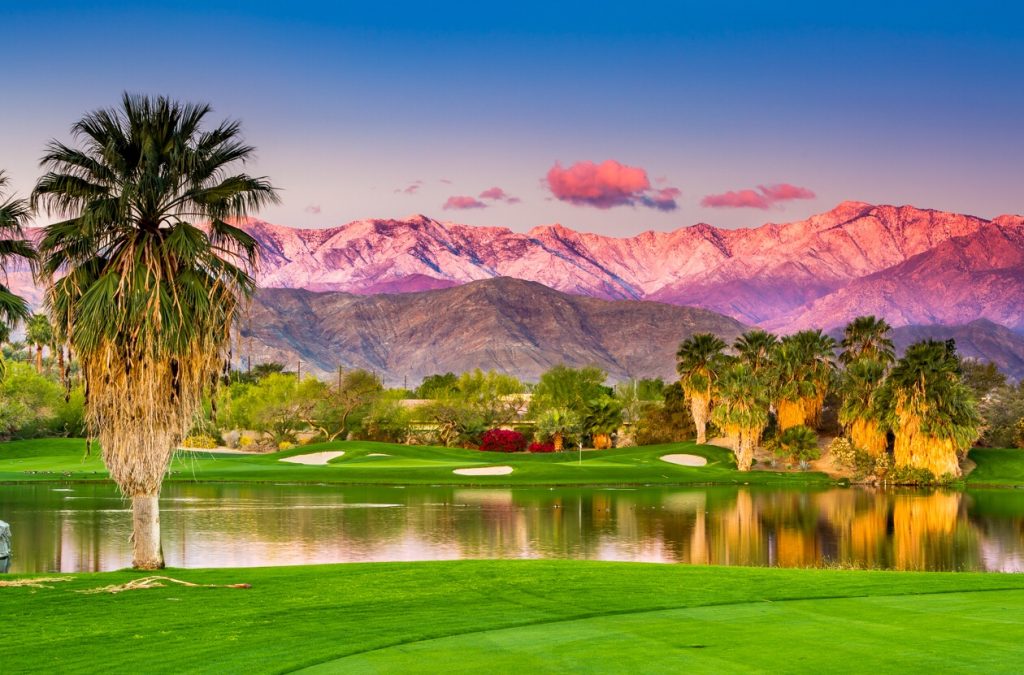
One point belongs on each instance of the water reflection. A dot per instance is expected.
(86, 527)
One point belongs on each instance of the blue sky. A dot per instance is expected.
(351, 104)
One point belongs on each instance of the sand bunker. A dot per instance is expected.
(684, 460)
(313, 457)
(378, 454)
(485, 471)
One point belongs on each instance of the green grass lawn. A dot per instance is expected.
(997, 467)
(528, 616)
(62, 459)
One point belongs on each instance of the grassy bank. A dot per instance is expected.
(546, 616)
(997, 467)
(366, 463)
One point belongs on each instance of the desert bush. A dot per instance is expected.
(285, 445)
(200, 441)
(502, 440)
(909, 475)
(541, 447)
(842, 451)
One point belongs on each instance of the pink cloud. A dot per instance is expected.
(313, 208)
(606, 185)
(785, 192)
(411, 188)
(463, 202)
(764, 197)
(499, 195)
(446, 181)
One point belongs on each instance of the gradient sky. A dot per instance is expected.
(887, 102)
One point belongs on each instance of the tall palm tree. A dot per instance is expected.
(39, 334)
(932, 413)
(154, 277)
(792, 389)
(698, 361)
(741, 411)
(817, 352)
(868, 337)
(858, 413)
(755, 348)
(13, 246)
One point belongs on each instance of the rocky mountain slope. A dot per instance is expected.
(510, 325)
(817, 271)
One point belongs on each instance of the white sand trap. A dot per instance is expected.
(684, 460)
(315, 458)
(378, 454)
(485, 471)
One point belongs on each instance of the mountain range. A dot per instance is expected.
(923, 270)
(910, 265)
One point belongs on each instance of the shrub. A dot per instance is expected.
(842, 451)
(800, 443)
(285, 445)
(502, 440)
(203, 441)
(245, 441)
(541, 447)
(910, 475)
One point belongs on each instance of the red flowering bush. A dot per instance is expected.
(542, 447)
(502, 440)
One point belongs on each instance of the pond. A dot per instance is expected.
(86, 527)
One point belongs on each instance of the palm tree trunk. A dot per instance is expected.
(39, 358)
(558, 441)
(699, 409)
(147, 553)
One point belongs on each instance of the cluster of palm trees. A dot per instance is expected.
(915, 410)
(144, 274)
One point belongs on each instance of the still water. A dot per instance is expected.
(72, 528)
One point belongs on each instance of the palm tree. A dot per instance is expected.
(557, 423)
(154, 277)
(858, 413)
(698, 361)
(932, 413)
(602, 419)
(868, 337)
(741, 411)
(13, 246)
(799, 443)
(39, 333)
(755, 348)
(801, 373)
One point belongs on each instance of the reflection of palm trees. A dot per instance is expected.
(922, 527)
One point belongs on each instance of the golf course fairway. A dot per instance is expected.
(530, 616)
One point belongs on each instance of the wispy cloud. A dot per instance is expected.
(460, 202)
(764, 197)
(411, 188)
(313, 208)
(498, 195)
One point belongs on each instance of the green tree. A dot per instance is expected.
(932, 413)
(329, 408)
(39, 333)
(436, 385)
(981, 377)
(698, 362)
(13, 247)
(568, 388)
(868, 337)
(801, 373)
(496, 398)
(149, 296)
(741, 411)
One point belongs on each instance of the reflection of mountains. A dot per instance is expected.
(223, 526)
